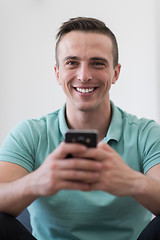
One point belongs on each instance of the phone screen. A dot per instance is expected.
(86, 137)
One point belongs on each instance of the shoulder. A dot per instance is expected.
(142, 123)
(32, 131)
(36, 124)
(142, 127)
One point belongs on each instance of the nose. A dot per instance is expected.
(84, 73)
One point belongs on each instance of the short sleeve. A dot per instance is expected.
(19, 147)
(149, 141)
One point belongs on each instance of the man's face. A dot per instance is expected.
(85, 69)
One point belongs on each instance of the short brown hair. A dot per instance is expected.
(86, 24)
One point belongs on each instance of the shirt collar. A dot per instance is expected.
(62, 121)
(115, 128)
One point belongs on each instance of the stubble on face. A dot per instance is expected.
(85, 46)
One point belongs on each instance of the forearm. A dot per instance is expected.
(147, 193)
(55, 174)
(16, 196)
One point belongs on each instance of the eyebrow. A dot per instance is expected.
(71, 58)
(99, 59)
(91, 59)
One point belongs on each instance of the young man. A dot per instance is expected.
(112, 194)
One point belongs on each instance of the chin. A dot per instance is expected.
(86, 108)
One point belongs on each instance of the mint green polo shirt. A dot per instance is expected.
(73, 215)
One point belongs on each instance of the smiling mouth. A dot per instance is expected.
(85, 90)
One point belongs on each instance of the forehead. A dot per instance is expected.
(84, 44)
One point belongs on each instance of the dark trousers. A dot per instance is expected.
(12, 229)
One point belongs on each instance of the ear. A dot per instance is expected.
(116, 73)
(56, 69)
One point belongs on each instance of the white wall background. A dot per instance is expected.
(28, 87)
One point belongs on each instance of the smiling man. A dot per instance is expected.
(85, 69)
(107, 192)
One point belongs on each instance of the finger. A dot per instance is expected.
(97, 154)
(79, 164)
(96, 186)
(82, 176)
(110, 152)
(105, 146)
(68, 148)
(70, 185)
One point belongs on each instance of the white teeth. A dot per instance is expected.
(85, 90)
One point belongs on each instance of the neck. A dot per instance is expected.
(96, 119)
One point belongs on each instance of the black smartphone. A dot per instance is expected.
(86, 137)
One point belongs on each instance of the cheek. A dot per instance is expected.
(103, 78)
(62, 77)
(64, 81)
(66, 77)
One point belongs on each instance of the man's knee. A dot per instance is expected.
(152, 230)
(6, 225)
(5, 220)
(10, 226)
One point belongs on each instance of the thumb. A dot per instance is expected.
(104, 146)
(68, 148)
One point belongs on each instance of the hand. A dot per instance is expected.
(116, 177)
(57, 172)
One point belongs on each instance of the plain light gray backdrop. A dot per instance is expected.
(28, 87)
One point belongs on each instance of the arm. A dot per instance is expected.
(149, 194)
(18, 188)
(14, 194)
(119, 179)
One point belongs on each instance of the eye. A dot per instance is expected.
(71, 64)
(98, 64)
